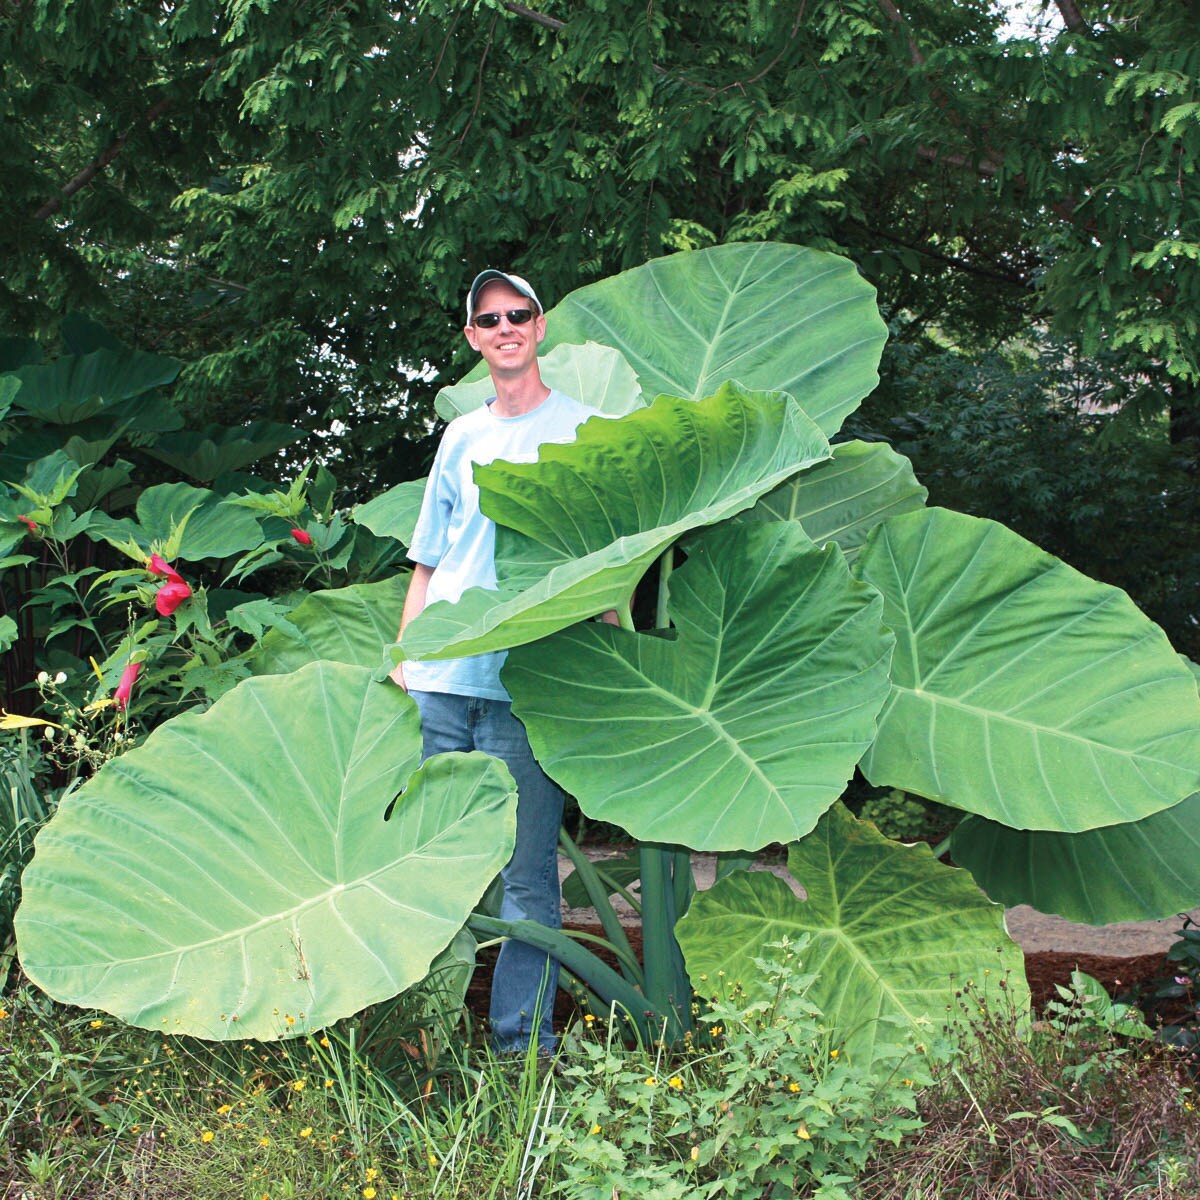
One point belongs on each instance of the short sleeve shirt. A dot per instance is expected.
(455, 538)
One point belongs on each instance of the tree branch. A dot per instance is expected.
(1072, 16)
(893, 15)
(93, 169)
(958, 264)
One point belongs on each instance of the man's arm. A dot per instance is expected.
(414, 602)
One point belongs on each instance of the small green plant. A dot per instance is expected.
(906, 818)
(27, 801)
(761, 1096)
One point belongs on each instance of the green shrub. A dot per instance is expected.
(762, 1096)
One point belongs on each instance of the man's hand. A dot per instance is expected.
(414, 602)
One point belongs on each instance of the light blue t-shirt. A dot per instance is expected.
(454, 537)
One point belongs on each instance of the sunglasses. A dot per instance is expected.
(516, 316)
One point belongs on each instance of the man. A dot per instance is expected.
(463, 704)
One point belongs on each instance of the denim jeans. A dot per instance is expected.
(525, 979)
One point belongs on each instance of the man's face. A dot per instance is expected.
(508, 349)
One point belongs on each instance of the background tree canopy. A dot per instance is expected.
(292, 200)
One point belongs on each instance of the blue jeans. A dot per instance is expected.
(525, 979)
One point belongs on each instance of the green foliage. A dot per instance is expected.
(902, 817)
(296, 182)
(1034, 437)
(1001, 653)
(224, 910)
(83, 511)
(26, 804)
(866, 976)
(763, 1098)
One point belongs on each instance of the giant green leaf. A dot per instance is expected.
(78, 386)
(1141, 871)
(772, 316)
(211, 528)
(393, 513)
(347, 625)
(204, 454)
(581, 525)
(892, 932)
(741, 731)
(235, 876)
(595, 375)
(845, 497)
(1022, 690)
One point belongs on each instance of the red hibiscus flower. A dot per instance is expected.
(159, 566)
(170, 596)
(302, 536)
(125, 687)
(29, 522)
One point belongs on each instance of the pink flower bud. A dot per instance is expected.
(159, 566)
(170, 596)
(302, 536)
(125, 687)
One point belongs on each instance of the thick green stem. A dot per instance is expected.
(598, 895)
(667, 986)
(666, 564)
(597, 975)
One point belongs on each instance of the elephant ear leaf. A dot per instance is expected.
(1139, 871)
(741, 730)
(1022, 690)
(235, 876)
(861, 888)
(579, 527)
(346, 625)
(773, 316)
(843, 498)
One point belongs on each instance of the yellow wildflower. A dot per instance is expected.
(325, 1042)
(650, 1081)
(793, 1087)
(264, 1141)
(675, 1082)
(834, 1053)
(433, 1162)
(306, 1131)
(289, 1019)
(802, 1132)
(3, 1013)
(594, 1129)
(207, 1135)
(369, 1192)
(589, 1018)
(695, 1153)
(96, 1024)
(297, 1085)
(225, 1108)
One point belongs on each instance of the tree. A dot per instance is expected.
(303, 199)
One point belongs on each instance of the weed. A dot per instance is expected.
(1083, 1105)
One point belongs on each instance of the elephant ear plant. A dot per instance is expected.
(811, 617)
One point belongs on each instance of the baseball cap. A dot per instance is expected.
(514, 281)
